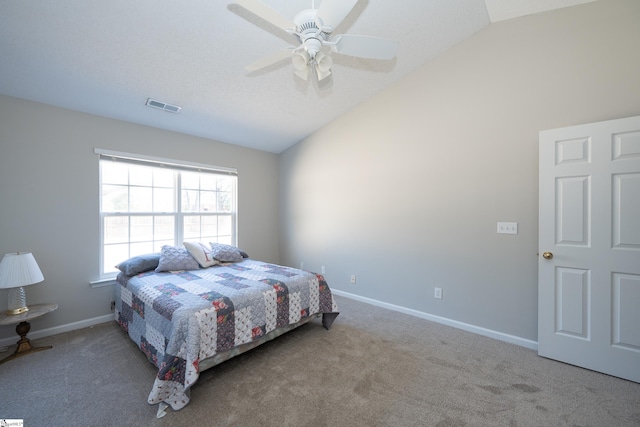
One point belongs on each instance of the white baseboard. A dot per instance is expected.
(533, 345)
(41, 333)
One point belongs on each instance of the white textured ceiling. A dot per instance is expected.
(108, 57)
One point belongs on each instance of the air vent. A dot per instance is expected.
(163, 106)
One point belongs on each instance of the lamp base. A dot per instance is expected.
(17, 301)
(15, 311)
(24, 345)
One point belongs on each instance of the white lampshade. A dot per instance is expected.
(17, 270)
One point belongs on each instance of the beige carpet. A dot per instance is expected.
(374, 368)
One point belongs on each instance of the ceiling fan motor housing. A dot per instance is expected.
(310, 35)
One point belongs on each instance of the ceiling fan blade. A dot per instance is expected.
(269, 60)
(333, 12)
(267, 13)
(364, 46)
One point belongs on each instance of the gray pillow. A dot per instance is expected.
(174, 258)
(225, 253)
(139, 264)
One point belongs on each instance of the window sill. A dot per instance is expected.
(102, 283)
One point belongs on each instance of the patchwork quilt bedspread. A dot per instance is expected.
(181, 318)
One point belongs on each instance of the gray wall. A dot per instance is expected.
(49, 198)
(405, 191)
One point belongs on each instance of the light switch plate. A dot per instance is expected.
(507, 228)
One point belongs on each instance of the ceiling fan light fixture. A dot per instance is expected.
(324, 62)
(300, 60)
(303, 74)
(322, 74)
(323, 65)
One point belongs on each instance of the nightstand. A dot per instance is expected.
(24, 345)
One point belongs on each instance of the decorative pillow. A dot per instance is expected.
(174, 258)
(201, 253)
(225, 253)
(139, 264)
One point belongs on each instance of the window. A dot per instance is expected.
(146, 203)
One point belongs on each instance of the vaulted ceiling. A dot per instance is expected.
(108, 57)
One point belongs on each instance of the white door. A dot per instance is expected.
(589, 231)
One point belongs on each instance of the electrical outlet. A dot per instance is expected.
(322, 270)
(437, 293)
(301, 265)
(353, 279)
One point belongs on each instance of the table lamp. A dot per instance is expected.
(17, 270)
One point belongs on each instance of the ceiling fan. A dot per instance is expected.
(313, 28)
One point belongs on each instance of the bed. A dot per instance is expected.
(188, 318)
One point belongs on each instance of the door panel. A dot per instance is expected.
(589, 291)
(626, 191)
(572, 302)
(626, 313)
(573, 211)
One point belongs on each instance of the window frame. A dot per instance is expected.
(179, 215)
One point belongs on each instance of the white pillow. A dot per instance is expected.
(201, 253)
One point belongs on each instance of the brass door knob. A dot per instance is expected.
(547, 255)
